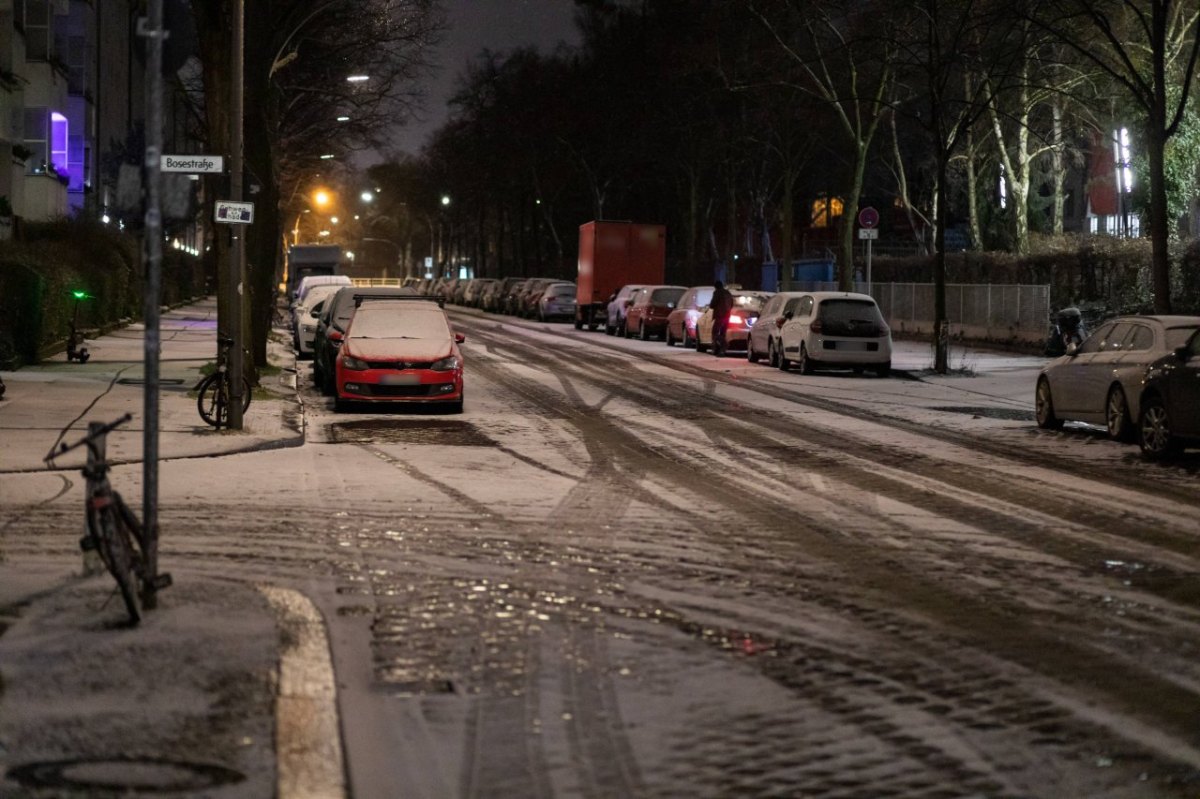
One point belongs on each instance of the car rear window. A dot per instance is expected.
(401, 321)
(1178, 336)
(564, 290)
(747, 302)
(850, 318)
(666, 296)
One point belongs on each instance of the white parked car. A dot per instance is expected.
(309, 282)
(1100, 380)
(835, 330)
(764, 333)
(304, 324)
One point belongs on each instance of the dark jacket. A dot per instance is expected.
(722, 303)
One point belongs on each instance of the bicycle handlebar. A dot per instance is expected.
(88, 439)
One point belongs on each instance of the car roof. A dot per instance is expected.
(1166, 320)
(821, 296)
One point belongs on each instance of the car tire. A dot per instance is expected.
(687, 340)
(884, 369)
(1154, 430)
(1116, 416)
(805, 362)
(339, 405)
(643, 333)
(751, 355)
(668, 338)
(782, 362)
(1043, 401)
(772, 354)
(609, 330)
(700, 347)
(624, 329)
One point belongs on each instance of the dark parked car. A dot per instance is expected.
(332, 324)
(647, 317)
(1170, 402)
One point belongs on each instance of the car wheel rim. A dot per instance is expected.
(1043, 402)
(1116, 413)
(1155, 429)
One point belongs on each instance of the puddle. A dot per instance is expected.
(409, 431)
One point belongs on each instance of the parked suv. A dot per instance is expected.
(833, 329)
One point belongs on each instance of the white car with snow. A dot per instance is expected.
(835, 330)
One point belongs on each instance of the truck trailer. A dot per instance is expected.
(611, 255)
(311, 259)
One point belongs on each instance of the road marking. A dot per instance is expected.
(308, 744)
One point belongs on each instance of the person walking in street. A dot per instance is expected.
(722, 306)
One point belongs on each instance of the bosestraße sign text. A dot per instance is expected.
(193, 164)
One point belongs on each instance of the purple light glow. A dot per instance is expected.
(58, 141)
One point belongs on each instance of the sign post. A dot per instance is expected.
(868, 218)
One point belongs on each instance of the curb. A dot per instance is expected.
(308, 743)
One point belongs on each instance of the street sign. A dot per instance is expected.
(868, 217)
(192, 164)
(233, 213)
(868, 233)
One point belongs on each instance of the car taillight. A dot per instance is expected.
(335, 335)
(780, 321)
(815, 326)
(734, 319)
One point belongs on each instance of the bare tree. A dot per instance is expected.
(1149, 49)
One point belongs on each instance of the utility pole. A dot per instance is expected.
(237, 250)
(154, 33)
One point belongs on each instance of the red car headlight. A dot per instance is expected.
(447, 364)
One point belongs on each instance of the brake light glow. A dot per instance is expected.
(734, 319)
(815, 326)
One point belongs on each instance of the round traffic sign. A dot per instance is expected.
(868, 217)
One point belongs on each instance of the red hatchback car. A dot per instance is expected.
(400, 350)
(651, 306)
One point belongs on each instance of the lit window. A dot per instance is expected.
(58, 141)
(825, 210)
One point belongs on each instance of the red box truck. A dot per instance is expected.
(611, 255)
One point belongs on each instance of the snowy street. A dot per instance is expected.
(628, 570)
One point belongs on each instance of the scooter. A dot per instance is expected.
(1066, 328)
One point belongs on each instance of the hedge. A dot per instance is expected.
(39, 274)
(1098, 271)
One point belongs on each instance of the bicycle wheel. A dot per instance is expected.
(116, 550)
(213, 399)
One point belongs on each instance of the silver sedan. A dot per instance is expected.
(1100, 380)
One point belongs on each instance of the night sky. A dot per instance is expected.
(497, 25)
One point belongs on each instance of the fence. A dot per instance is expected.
(987, 311)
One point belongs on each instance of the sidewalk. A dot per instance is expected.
(189, 699)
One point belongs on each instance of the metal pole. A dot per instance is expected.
(237, 254)
(153, 290)
(868, 266)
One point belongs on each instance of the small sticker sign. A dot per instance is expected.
(232, 213)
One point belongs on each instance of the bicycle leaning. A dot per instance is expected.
(113, 531)
(215, 392)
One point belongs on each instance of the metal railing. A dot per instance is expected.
(991, 309)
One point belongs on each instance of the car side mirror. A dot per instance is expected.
(459, 338)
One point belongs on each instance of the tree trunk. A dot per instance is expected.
(941, 325)
(1159, 224)
(1058, 166)
(849, 212)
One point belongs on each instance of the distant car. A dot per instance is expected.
(332, 324)
(835, 330)
(304, 322)
(400, 350)
(557, 301)
(308, 282)
(473, 296)
(647, 317)
(681, 322)
(764, 333)
(615, 322)
(530, 293)
(1100, 380)
(512, 298)
(1169, 418)
(747, 306)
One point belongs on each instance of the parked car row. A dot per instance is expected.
(811, 330)
(541, 298)
(1139, 376)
